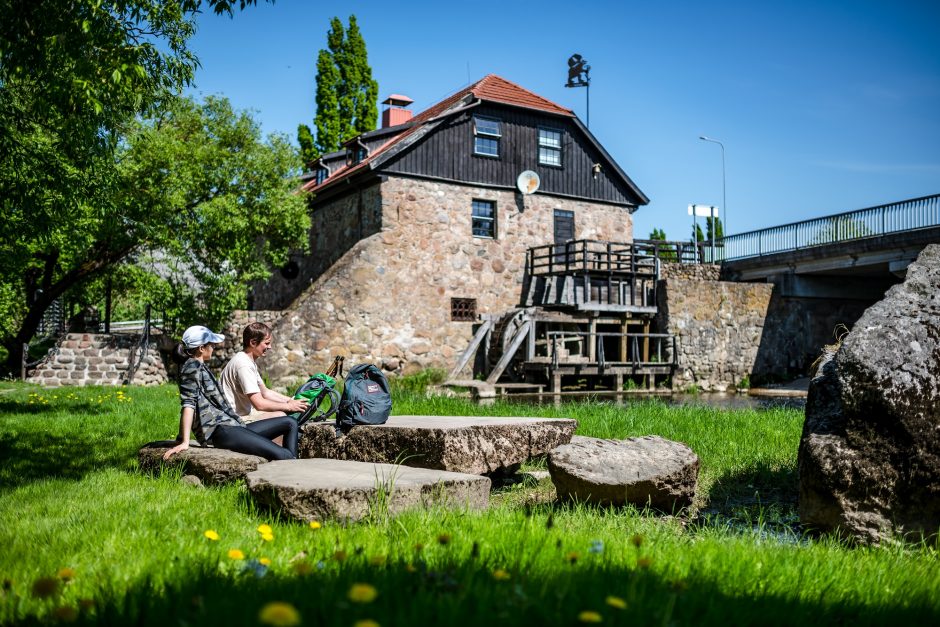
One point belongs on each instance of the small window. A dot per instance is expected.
(322, 175)
(486, 136)
(549, 146)
(355, 155)
(484, 218)
(463, 309)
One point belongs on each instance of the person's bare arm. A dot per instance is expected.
(186, 424)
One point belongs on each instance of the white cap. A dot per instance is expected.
(200, 336)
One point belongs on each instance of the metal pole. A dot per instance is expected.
(588, 96)
(724, 197)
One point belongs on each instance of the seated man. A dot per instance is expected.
(242, 384)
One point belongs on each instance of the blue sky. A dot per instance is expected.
(822, 106)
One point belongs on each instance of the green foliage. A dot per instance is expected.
(419, 382)
(667, 252)
(346, 95)
(719, 229)
(697, 233)
(745, 382)
(308, 151)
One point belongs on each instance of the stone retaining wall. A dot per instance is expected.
(98, 359)
(718, 327)
(690, 271)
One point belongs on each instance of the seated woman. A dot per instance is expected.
(206, 412)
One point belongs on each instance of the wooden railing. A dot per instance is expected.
(634, 349)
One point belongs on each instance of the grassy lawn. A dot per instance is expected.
(86, 539)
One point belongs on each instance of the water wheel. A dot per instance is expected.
(504, 330)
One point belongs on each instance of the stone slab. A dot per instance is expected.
(469, 444)
(645, 471)
(211, 465)
(319, 489)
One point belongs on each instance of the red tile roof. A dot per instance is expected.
(490, 88)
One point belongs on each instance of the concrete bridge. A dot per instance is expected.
(827, 271)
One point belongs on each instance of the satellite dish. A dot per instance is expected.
(528, 182)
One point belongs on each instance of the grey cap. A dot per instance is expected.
(200, 336)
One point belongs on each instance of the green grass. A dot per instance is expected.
(70, 498)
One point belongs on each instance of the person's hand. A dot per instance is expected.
(176, 449)
(297, 404)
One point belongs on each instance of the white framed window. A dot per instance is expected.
(322, 175)
(483, 218)
(549, 146)
(486, 136)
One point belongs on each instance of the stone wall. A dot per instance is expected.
(387, 300)
(335, 227)
(718, 327)
(690, 271)
(98, 359)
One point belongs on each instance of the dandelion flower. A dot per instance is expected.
(362, 593)
(267, 537)
(264, 528)
(66, 574)
(65, 613)
(588, 616)
(235, 554)
(264, 561)
(315, 524)
(45, 587)
(500, 575)
(366, 622)
(211, 534)
(616, 602)
(279, 614)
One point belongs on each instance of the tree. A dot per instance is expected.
(666, 251)
(346, 95)
(719, 229)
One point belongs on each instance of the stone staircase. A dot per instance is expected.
(99, 359)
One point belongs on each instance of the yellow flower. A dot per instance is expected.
(616, 602)
(264, 561)
(235, 554)
(65, 613)
(366, 622)
(45, 587)
(279, 614)
(211, 534)
(588, 616)
(377, 560)
(500, 575)
(267, 537)
(315, 525)
(362, 593)
(263, 529)
(66, 574)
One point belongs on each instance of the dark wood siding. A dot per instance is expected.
(447, 153)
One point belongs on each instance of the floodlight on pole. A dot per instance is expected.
(724, 198)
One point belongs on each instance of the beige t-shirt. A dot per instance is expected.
(240, 379)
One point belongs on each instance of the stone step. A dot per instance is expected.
(467, 444)
(212, 465)
(322, 489)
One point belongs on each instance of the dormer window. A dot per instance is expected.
(486, 138)
(322, 175)
(356, 153)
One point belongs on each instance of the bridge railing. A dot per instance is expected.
(906, 215)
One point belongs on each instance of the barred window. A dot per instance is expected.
(486, 138)
(483, 218)
(549, 146)
(463, 309)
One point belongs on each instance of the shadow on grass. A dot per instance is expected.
(30, 456)
(759, 484)
(468, 593)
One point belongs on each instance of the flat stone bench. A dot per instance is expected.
(211, 465)
(467, 444)
(320, 489)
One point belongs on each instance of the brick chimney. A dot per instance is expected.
(395, 112)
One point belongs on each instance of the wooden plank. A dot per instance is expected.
(521, 334)
(482, 332)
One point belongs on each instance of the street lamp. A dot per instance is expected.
(724, 198)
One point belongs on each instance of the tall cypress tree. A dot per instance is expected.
(347, 94)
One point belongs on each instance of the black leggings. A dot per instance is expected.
(255, 438)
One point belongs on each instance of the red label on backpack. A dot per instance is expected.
(372, 388)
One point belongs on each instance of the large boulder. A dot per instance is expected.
(318, 489)
(212, 465)
(646, 471)
(869, 457)
(468, 444)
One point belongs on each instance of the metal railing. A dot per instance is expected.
(906, 215)
(140, 351)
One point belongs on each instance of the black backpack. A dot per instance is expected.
(366, 399)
